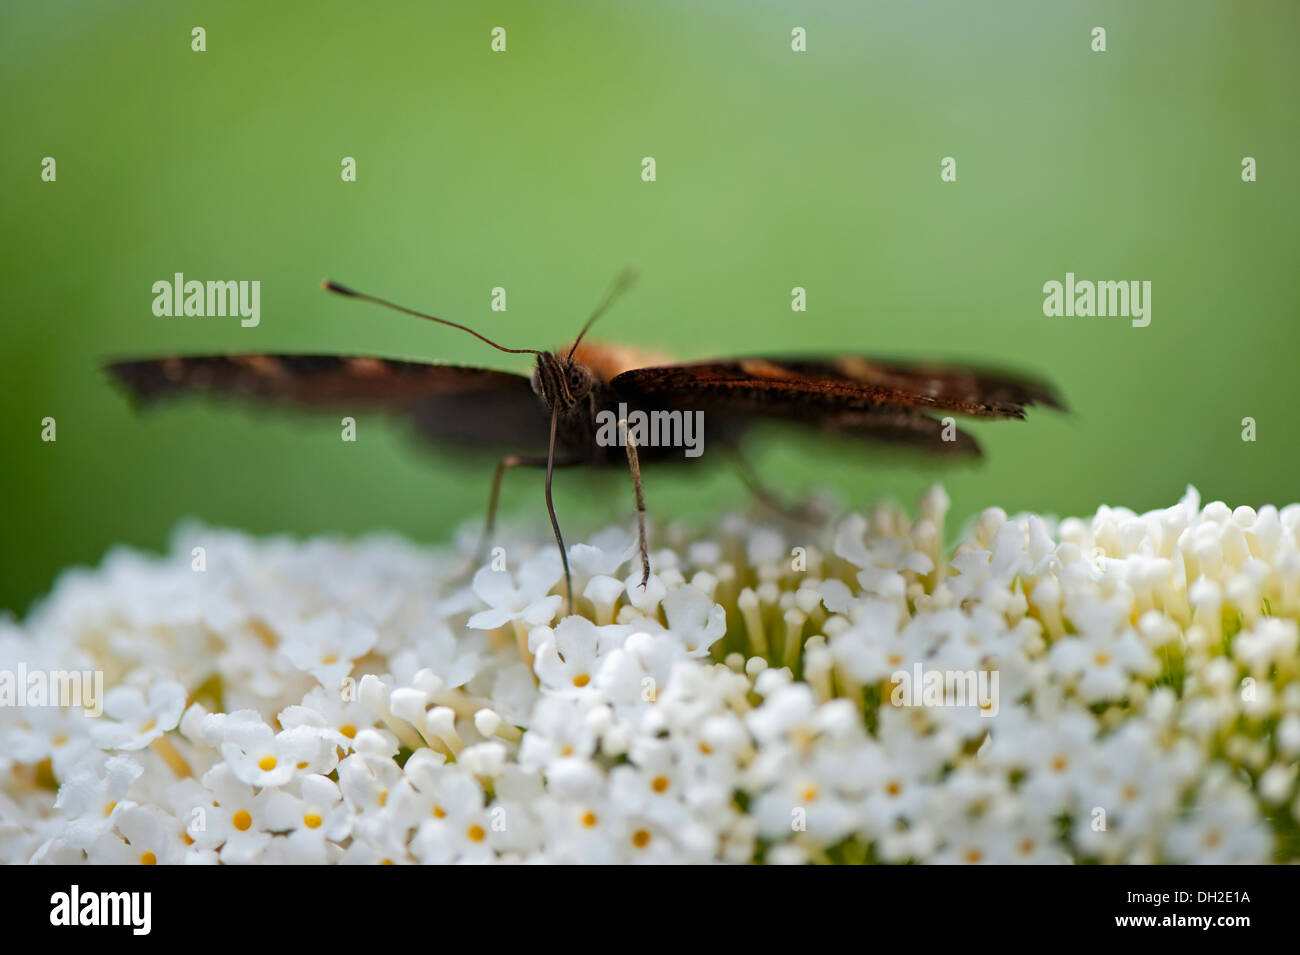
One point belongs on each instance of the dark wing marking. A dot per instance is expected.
(815, 388)
(446, 402)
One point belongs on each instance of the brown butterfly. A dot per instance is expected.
(553, 418)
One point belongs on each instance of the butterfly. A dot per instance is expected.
(574, 409)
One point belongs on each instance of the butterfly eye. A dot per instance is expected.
(579, 381)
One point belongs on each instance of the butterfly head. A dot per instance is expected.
(560, 381)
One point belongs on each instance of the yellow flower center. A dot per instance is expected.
(242, 820)
(581, 679)
(659, 784)
(148, 859)
(476, 833)
(312, 820)
(266, 764)
(589, 819)
(641, 838)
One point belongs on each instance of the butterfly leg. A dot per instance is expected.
(804, 513)
(634, 465)
(505, 464)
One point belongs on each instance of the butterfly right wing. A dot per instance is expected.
(471, 406)
(876, 399)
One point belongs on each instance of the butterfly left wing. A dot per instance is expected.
(462, 404)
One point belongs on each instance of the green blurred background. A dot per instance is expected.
(522, 170)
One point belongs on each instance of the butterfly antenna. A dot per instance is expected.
(625, 280)
(352, 293)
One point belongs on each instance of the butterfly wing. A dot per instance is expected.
(461, 404)
(860, 397)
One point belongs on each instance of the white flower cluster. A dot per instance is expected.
(323, 701)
